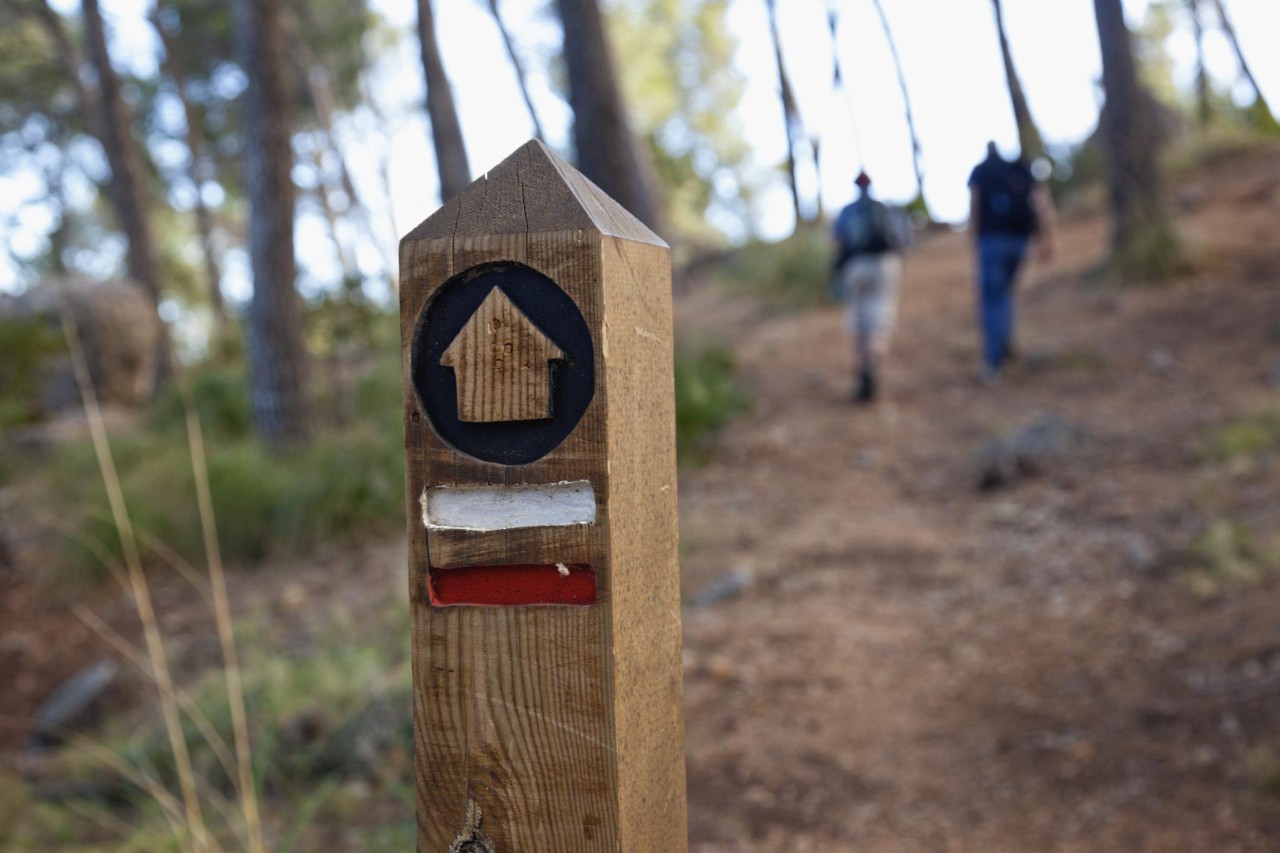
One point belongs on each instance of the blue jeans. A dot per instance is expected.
(999, 256)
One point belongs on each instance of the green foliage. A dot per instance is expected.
(203, 32)
(328, 36)
(300, 713)
(25, 345)
(337, 716)
(918, 210)
(30, 824)
(346, 322)
(1156, 70)
(1083, 168)
(792, 274)
(179, 255)
(681, 87)
(376, 399)
(707, 397)
(32, 82)
(343, 487)
(1263, 764)
(1228, 554)
(1232, 134)
(41, 123)
(1249, 436)
(333, 32)
(1222, 145)
(221, 397)
(1155, 65)
(1151, 254)
(1259, 116)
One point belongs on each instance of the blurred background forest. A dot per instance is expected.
(200, 205)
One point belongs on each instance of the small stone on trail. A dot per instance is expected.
(721, 668)
(1005, 512)
(1024, 451)
(864, 459)
(1165, 363)
(1190, 198)
(1139, 554)
(727, 585)
(1158, 713)
(70, 703)
(293, 596)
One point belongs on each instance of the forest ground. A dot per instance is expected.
(921, 664)
(1085, 658)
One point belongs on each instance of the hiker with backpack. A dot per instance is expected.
(870, 238)
(1007, 208)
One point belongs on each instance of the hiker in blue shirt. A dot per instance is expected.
(869, 240)
(1007, 208)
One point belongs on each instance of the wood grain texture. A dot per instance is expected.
(452, 548)
(645, 582)
(503, 364)
(519, 711)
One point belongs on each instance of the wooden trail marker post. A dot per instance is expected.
(535, 319)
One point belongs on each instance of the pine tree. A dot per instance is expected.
(128, 191)
(1143, 244)
(607, 152)
(278, 361)
(1028, 134)
(446, 132)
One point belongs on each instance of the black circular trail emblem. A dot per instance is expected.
(454, 345)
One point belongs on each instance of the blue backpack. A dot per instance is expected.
(868, 227)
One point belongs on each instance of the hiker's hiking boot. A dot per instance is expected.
(866, 390)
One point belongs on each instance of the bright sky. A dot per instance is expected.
(952, 63)
(948, 48)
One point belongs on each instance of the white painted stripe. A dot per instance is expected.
(508, 507)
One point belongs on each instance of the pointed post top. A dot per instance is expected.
(533, 190)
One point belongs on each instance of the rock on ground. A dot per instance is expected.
(118, 329)
(1024, 451)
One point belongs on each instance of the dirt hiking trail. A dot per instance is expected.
(921, 665)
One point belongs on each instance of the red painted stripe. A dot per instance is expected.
(506, 586)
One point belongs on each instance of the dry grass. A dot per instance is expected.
(187, 823)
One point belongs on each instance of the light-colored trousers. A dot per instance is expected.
(870, 285)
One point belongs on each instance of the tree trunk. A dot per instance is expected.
(906, 102)
(128, 183)
(815, 146)
(1130, 135)
(837, 81)
(350, 270)
(519, 68)
(446, 133)
(1259, 101)
(1204, 110)
(1029, 138)
(384, 177)
(199, 170)
(607, 151)
(790, 112)
(320, 90)
(278, 367)
(60, 236)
